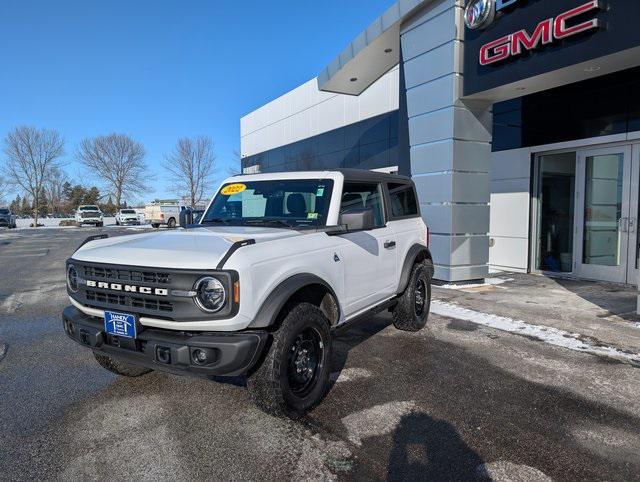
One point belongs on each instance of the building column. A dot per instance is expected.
(449, 141)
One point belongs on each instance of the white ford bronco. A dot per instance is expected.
(256, 288)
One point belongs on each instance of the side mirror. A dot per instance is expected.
(358, 219)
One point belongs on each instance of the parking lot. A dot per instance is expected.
(456, 401)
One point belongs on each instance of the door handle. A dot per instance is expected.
(389, 244)
(632, 225)
(623, 225)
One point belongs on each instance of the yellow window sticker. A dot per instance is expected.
(232, 189)
(312, 215)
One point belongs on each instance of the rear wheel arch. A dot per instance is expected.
(418, 253)
(300, 288)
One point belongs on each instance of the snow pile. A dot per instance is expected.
(487, 282)
(550, 335)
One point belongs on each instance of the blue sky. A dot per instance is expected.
(163, 69)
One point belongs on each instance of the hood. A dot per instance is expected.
(200, 248)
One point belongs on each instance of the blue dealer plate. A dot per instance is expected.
(120, 324)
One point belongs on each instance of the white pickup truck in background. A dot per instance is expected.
(158, 214)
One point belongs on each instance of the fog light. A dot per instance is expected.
(163, 355)
(199, 356)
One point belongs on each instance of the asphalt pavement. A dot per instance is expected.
(456, 401)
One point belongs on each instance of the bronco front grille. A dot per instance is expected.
(93, 214)
(93, 272)
(132, 301)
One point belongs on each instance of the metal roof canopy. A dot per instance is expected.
(372, 54)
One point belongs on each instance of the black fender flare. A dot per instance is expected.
(271, 307)
(416, 251)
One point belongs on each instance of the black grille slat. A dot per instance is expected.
(152, 277)
(125, 300)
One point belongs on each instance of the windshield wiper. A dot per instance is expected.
(216, 220)
(281, 222)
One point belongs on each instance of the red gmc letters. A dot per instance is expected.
(545, 33)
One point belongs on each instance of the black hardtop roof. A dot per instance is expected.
(373, 176)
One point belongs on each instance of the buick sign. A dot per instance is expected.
(480, 14)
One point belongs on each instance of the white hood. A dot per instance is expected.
(200, 248)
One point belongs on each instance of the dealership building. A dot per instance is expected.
(518, 120)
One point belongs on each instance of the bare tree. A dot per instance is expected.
(192, 166)
(4, 190)
(118, 161)
(235, 167)
(31, 153)
(53, 188)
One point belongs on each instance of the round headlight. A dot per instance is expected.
(72, 278)
(211, 294)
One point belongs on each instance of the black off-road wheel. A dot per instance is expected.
(155, 226)
(120, 368)
(294, 376)
(171, 223)
(412, 311)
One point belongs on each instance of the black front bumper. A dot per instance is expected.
(230, 354)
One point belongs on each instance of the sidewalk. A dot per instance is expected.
(602, 315)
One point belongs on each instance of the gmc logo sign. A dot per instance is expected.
(547, 32)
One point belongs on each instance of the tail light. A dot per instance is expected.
(161, 216)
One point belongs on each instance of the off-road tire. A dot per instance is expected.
(269, 385)
(155, 226)
(117, 223)
(406, 317)
(120, 368)
(171, 223)
(99, 225)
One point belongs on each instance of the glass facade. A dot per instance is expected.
(369, 144)
(597, 107)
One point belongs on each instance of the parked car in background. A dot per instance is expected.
(7, 219)
(89, 214)
(159, 214)
(127, 217)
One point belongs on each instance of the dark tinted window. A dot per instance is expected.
(363, 196)
(368, 144)
(403, 200)
(602, 106)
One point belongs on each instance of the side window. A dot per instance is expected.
(403, 200)
(363, 195)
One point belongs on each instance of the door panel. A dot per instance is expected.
(602, 205)
(633, 262)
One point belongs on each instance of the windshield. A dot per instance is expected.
(127, 211)
(89, 208)
(296, 203)
(4, 211)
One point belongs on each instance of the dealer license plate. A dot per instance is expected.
(120, 324)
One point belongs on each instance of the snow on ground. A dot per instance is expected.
(552, 336)
(487, 282)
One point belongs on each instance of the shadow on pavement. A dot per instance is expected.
(425, 449)
(613, 299)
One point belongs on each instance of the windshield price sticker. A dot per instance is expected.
(312, 215)
(320, 192)
(232, 189)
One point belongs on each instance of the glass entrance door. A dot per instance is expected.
(604, 221)
(633, 263)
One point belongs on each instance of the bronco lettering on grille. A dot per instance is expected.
(145, 290)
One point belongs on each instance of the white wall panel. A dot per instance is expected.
(510, 209)
(307, 111)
